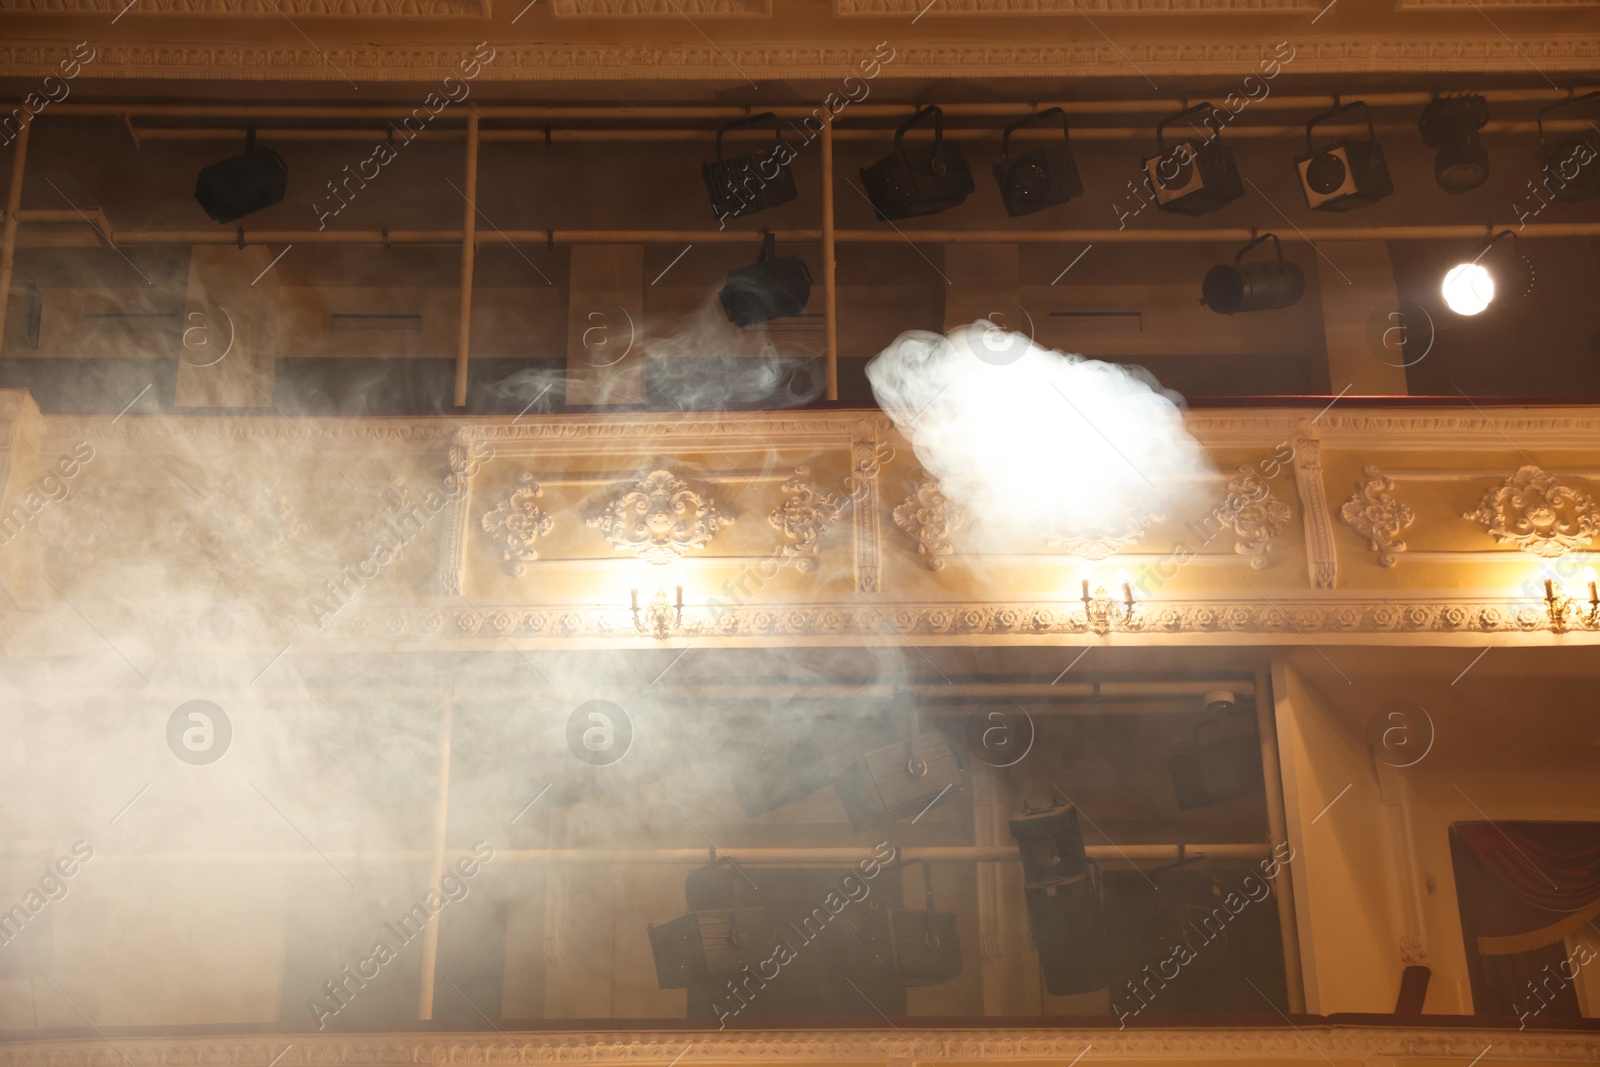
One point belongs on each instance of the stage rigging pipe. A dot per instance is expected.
(8, 240)
(830, 304)
(469, 249)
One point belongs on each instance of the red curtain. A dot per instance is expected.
(1550, 865)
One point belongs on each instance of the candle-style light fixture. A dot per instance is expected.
(1100, 611)
(661, 616)
(1566, 611)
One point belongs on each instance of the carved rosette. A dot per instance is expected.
(929, 518)
(1376, 517)
(516, 523)
(660, 518)
(1105, 542)
(803, 518)
(1538, 514)
(1259, 517)
(239, 526)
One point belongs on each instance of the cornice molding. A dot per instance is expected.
(523, 63)
(257, 8)
(1035, 8)
(700, 9)
(1305, 1043)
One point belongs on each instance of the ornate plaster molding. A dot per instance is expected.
(700, 9)
(1035, 8)
(590, 1049)
(659, 518)
(929, 518)
(803, 517)
(1376, 517)
(1104, 543)
(259, 8)
(516, 523)
(1321, 555)
(1259, 520)
(1489, 53)
(1538, 514)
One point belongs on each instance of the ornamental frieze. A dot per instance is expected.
(1537, 514)
(660, 518)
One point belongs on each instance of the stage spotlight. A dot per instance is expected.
(1570, 164)
(790, 773)
(1039, 177)
(1451, 124)
(1226, 766)
(237, 186)
(920, 180)
(1229, 288)
(709, 944)
(754, 181)
(1194, 176)
(1347, 173)
(899, 781)
(768, 289)
(1050, 841)
(903, 946)
(1064, 919)
(1500, 269)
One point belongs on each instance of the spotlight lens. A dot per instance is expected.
(1468, 288)
(1325, 173)
(1030, 182)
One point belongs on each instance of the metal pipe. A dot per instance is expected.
(1278, 830)
(8, 240)
(830, 303)
(469, 249)
(441, 824)
(724, 112)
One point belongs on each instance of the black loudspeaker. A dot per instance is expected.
(899, 781)
(1570, 164)
(710, 944)
(768, 289)
(1041, 176)
(243, 184)
(920, 180)
(1346, 174)
(754, 181)
(1451, 124)
(1261, 286)
(1051, 843)
(904, 946)
(1224, 768)
(782, 776)
(1064, 919)
(1193, 177)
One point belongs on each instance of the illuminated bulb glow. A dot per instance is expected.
(1468, 288)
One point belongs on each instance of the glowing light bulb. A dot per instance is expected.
(1468, 288)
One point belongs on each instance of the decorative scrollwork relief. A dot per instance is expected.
(1259, 517)
(1103, 543)
(660, 518)
(239, 525)
(1376, 516)
(516, 523)
(1538, 514)
(930, 517)
(803, 517)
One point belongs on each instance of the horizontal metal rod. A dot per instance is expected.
(1036, 133)
(890, 235)
(1109, 855)
(783, 111)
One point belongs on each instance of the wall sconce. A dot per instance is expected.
(660, 617)
(1566, 611)
(1100, 611)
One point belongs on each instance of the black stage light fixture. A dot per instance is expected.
(1229, 288)
(789, 773)
(1570, 164)
(1039, 177)
(719, 884)
(1451, 124)
(754, 181)
(899, 781)
(1346, 174)
(243, 184)
(768, 289)
(1051, 842)
(1064, 919)
(1194, 176)
(1498, 269)
(904, 946)
(710, 944)
(1224, 767)
(923, 179)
